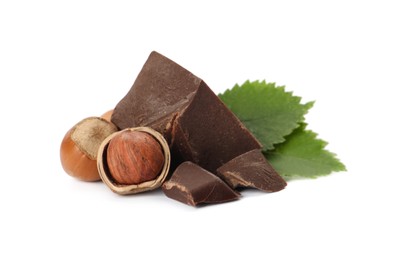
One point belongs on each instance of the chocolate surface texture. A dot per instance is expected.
(252, 170)
(193, 185)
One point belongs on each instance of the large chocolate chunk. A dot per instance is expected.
(193, 185)
(196, 124)
(160, 92)
(251, 169)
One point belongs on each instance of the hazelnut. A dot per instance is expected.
(134, 157)
(134, 160)
(107, 115)
(80, 146)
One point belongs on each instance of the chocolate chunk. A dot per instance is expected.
(193, 185)
(251, 169)
(160, 92)
(195, 122)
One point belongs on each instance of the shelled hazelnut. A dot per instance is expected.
(133, 160)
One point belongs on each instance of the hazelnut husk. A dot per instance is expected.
(131, 166)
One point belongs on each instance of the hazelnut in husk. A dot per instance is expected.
(134, 160)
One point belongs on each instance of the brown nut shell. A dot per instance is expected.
(107, 115)
(75, 162)
(79, 147)
(124, 189)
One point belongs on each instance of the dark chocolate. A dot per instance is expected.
(194, 121)
(193, 185)
(251, 169)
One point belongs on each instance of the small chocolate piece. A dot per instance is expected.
(251, 169)
(195, 122)
(192, 185)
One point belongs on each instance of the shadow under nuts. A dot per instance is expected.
(134, 157)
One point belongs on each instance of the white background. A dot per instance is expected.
(62, 61)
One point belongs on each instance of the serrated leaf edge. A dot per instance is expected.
(323, 145)
(256, 83)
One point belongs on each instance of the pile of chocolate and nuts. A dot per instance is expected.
(169, 131)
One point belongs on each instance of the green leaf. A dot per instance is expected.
(303, 155)
(269, 112)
